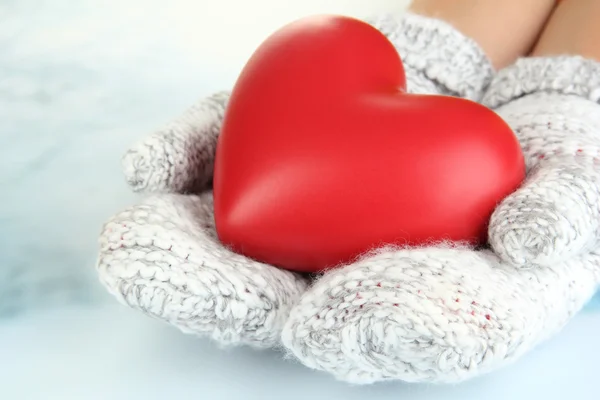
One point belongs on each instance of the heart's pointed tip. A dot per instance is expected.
(255, 232)
(236, 239)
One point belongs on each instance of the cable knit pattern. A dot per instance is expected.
(556, 214)
(163, 257)
(433, 315)
(180, 157)
(438, 57)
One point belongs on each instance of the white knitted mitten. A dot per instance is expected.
(162, 256)
(447, 314)
(551, 104)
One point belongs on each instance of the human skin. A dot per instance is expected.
(505, 30)
(572, 30)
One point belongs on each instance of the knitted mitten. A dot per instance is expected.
(437, 58)
(551, 104)
(446, 314)
(162, 257)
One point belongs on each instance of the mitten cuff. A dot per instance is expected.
(571, 75)
(453, 61)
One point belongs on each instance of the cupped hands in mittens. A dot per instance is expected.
(435, 314)
(163, 256)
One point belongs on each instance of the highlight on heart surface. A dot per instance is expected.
(323, 155)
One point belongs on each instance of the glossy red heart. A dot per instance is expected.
(323, 156)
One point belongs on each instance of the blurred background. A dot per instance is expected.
(79, 82)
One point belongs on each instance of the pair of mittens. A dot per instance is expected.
(435, 314)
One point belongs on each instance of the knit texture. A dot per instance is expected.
(446, 314)
(437, 315)
(179, 157)
(551, 104)
(438, 58)
(162, 257)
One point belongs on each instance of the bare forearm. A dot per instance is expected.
(573, 29)
(505, 29)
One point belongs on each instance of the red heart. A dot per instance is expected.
(323, 156)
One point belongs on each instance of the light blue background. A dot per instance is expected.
(78, 83)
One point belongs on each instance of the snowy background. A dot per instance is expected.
(80, 80)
